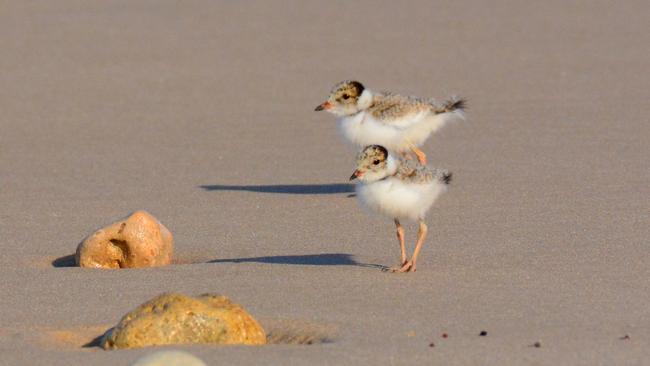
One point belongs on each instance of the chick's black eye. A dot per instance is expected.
(345, 96)
(376, 162)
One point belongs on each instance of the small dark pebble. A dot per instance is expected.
(625, 337)
(431, 344)
(537, 344)
(445, 335)
(483, 333)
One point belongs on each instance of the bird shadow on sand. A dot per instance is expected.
(333, 188)
(325, 259)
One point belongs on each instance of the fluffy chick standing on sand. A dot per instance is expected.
(400, 189)
(394, 121)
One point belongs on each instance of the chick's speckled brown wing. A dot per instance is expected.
(388, 107)
(414, 172)
(411, 171)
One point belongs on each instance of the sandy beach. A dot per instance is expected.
(202, 113)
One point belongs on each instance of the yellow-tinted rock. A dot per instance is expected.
(137, 241)
(179, 319)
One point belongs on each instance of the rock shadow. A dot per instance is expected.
(65, 261)
(285, 188)
(97, 341)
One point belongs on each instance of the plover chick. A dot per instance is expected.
(400, 189)
(396, 122)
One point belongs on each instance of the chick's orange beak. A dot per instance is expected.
(356, 174)
(324, 106)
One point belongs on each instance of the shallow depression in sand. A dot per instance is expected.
(74, 338)
(184, 258)
(67, 261)
(279, 332)
(298, 332)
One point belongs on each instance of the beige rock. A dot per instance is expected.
(169, 358)
(179, 319)
(137, 241)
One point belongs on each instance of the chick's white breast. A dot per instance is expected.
(362, 130)
(397, 199)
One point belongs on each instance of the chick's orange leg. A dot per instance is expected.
(422, 157)
(422, 234)
(400, 238)
(409, 266)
